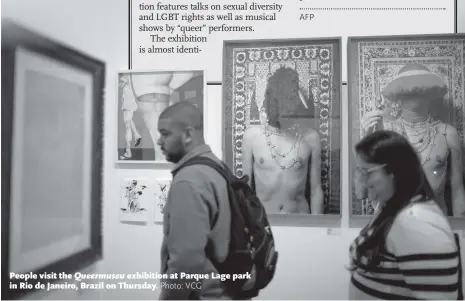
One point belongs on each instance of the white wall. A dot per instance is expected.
(461, 16)
(311, 264)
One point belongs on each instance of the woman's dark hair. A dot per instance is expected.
(401, 160)
(281, 95)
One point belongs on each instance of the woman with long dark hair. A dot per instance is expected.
(408, 250)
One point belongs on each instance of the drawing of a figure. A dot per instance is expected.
(132, 193)
(129, 106)
(151, 94)
(280, 155)
(406, 107)
(163, 196)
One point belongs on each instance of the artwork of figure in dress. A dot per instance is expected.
(412, 85)
(150, 93)
(405, 106)
(280, 155)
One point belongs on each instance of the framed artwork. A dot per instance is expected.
(162, 188)
(134, 200)
(52, 124)
(141, 97)
(282, 121)
(379, 68)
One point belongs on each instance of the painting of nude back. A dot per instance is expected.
(282, 108)
(142, 96)
(413, 85)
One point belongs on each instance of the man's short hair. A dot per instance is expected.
(184, 114)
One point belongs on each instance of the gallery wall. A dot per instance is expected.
(312, 258)
(460, 16)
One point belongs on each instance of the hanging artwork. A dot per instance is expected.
(282, 123)
(134, 200)
(52, 157)
(412, 85)
(162, 188)
(142, 96)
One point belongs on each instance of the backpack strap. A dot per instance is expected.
(202, 160)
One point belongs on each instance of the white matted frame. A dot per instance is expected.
(52, 112)
(141, 96)
(135, 200)
(32, 69)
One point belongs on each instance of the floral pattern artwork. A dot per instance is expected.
(379, 61)
(162, 188)
(134, 200)
(247, 68)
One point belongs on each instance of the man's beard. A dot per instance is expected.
(174, 157)
(177, 152)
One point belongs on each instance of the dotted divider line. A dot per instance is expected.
(372, 8)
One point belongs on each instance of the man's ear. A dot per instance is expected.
(189, 134)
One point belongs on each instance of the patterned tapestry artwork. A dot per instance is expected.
(247, 67)
(378, 61)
